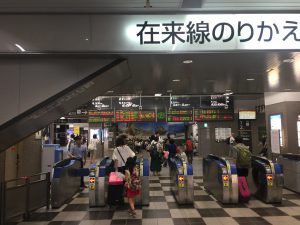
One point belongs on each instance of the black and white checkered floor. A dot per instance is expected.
(163, 210)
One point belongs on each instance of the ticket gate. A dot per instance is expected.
(291, 169)
(265, 180)
(98, 182)
(220, 178)
(66, 180)
(143, 166)
(182, 181)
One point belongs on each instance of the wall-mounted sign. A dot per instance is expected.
(213, 32)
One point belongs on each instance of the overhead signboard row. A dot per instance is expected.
(173, 115)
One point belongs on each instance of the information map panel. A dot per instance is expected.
(135, 116)
(212, 114)
(101, 116)
(183, 115)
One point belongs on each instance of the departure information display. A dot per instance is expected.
(101, 116)
(183, 115)
(161, 116)
(212, 115)
(135, 116)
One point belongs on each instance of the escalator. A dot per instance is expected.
(39, 116)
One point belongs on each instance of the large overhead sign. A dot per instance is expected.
(214, 32)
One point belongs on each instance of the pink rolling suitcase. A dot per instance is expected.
(114, 179)
(244, 192)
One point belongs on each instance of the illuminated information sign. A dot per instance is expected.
(183, 115)
(101, 116)
(161, 116)
(135, 116)
(212, 114)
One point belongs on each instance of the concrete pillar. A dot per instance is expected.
(2, 179)
(287, 104)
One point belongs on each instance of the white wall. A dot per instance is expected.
(277, 97)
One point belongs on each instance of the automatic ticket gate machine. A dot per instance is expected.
(291, 169)
(182, 181)
(143, 167)
(220, 178)
(98, 182)
(266, 181)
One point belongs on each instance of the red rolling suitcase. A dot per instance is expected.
(244, 192)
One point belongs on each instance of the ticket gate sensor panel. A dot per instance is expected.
(266, 180)
(143, 167)
(182, 181)
(220, 178)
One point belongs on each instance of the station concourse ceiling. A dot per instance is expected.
(243, 73)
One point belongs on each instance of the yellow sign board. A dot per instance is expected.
(76, 130)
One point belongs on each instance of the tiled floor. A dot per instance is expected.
(163, 210)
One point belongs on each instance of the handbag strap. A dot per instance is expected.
(121, 155)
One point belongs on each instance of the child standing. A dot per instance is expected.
(132, 184)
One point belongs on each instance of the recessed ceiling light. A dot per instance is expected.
(228, 90)
(110, 91)
(176, 80)
(86, 39)
(62, 118)
(20, 48)
(250, 79)
(169, 91)
(158, 95)
(287, 89)
(188, 61)
(291, 60)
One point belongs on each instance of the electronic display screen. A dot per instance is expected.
(247, 114)
(101, 116)
(180, 115)
(135, 116)
(212, 115)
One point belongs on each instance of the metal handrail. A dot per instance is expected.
(27, 184)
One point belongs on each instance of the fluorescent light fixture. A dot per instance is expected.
(250, 79)
(291, 60)
(158, 95)
(229, 93)
(269, 70)
(188, 61)
(176, 80)
(62, 118)
(20, 48)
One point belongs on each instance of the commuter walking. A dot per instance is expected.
(172, 150)
(92, 147)
(189, 150)
(243, 157)
(121, 153)
(132, 184)
(156, 157)
(79, 151)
